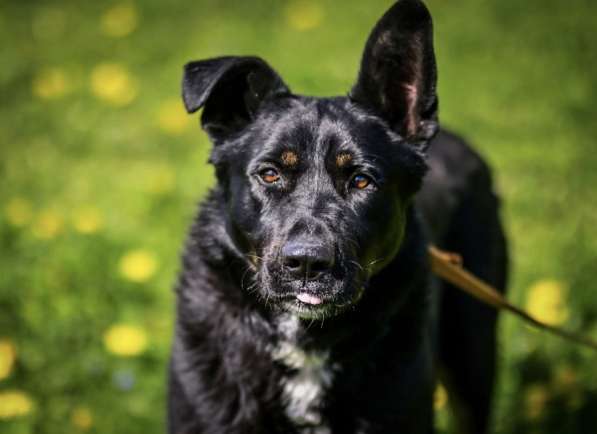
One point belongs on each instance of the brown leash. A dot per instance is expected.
(448, 266)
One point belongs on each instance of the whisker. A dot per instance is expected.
(251, 288)
(359, 266)
(375, 261)
(257, 257)
(242, 279)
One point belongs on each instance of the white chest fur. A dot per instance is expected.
(305, 389)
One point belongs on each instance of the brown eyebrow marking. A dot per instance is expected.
(289, 158)
(342, 159)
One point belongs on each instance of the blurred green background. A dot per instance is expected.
(101, 170)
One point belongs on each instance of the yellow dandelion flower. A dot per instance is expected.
(8, 355)
(138, 265)
(546, 301)
(172, 118)
(304, 14)
(162, 180)
(87, 220)
(119, 21)
(18, 211)
(14, 403)
(535, 401)
(50, 83)
(81, 418)
(125, 340)
(440, 397)
(47, 225)
(113, 84)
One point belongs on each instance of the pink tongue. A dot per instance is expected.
(309, 299)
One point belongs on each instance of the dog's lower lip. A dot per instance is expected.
(307, 298)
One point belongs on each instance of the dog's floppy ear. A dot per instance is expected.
(397, 78)
(230, 90)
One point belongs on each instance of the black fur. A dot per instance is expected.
(315, 220)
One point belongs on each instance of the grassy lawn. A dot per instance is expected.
(101, 170)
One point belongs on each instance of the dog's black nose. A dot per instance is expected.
(307, 260)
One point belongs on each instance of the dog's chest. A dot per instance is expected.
(305, 387)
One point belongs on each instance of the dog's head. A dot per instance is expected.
(317, 188)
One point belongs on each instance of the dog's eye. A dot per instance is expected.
(269, 175)
(360, 181)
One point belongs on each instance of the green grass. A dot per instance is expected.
(85, 182)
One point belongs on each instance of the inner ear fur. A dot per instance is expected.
(230, 90)
(398, 76)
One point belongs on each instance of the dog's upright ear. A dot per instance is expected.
(230, 90)
(397, 79)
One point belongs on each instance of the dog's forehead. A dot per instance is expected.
(311, 127)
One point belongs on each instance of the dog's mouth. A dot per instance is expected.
(309, 299)
(309, 306)
(313, 299)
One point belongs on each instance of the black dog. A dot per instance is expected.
(306, 303)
